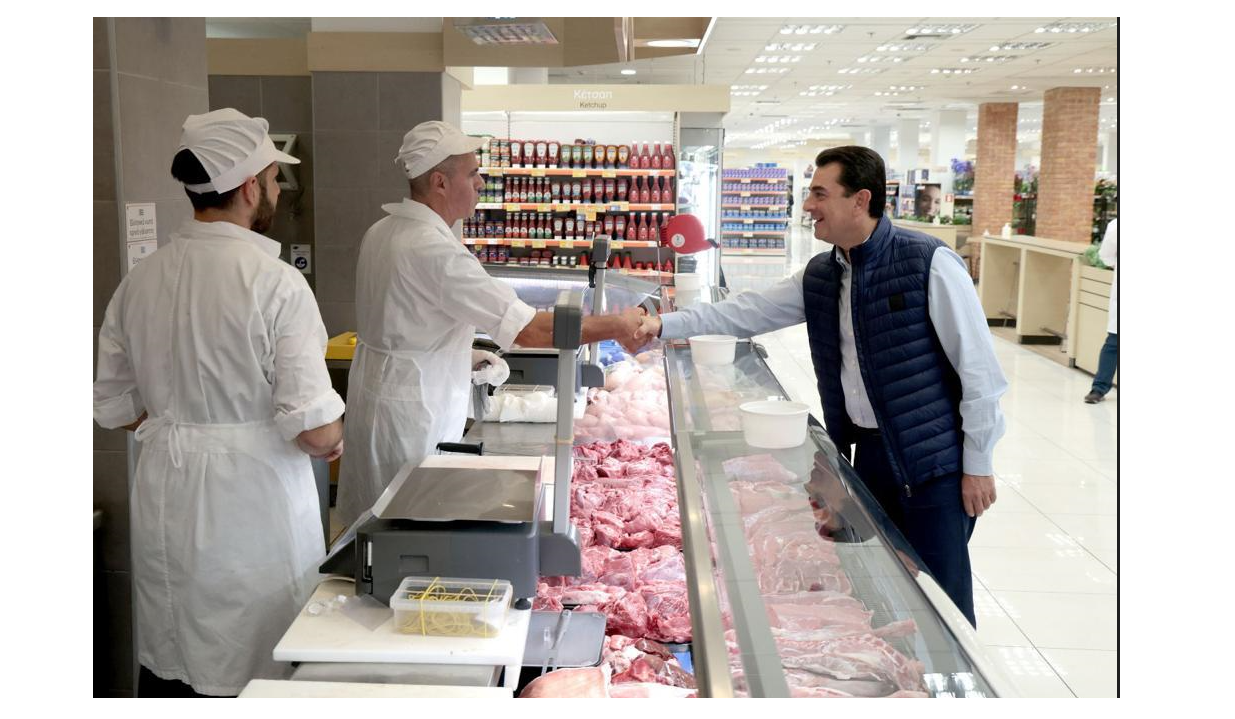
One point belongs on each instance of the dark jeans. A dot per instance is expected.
(150, 686)
(1108, 362)
(932, 520)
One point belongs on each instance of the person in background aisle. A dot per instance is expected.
(420, 298)
(1108, 361)
(903, 356)
(213, 350)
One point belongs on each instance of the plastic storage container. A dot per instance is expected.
(446, 607)
(713, 349)
(772, 424)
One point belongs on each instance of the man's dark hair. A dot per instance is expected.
(188, 169)
(861, 168)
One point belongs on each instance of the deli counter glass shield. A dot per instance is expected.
(802, 586)
(699, 172)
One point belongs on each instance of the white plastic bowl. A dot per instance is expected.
(686, 298)
(687, 281)
(713, 349)
(772, 424)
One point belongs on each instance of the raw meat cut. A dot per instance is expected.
(758, 468)
(642, 660)
(585, 683)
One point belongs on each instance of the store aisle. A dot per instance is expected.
(1044, 556)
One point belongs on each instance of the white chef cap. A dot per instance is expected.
(231, 146)
(427, 144)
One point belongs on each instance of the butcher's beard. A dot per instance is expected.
(263, 216)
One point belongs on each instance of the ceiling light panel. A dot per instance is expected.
(766, 70)
(1073, 28)
(781, 59)
(887, 59)
(1093, 71)
(1021, 46)
(823, 90)
(861, 70)
(940, 30)
(954, 70)
(789, 47)
(989, 58)
(811, 29)
(905, 47)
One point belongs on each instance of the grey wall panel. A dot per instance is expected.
(171, 49)
(287, 102)
(149, 138)
(345, 159)
(406, 99)
(345, 101)
(239, 92)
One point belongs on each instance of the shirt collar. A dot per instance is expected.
(840, 255)
(195, 228)
(413, 210)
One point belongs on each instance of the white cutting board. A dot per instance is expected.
(335, 637)
(273, 688)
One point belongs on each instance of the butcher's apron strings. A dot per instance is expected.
(155, 424)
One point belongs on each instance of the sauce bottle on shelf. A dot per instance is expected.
(611, 153)
(645, 159)
(516, 153)
(645, 193)
(558, 226)
(619, 227)
(609, 225)
(643, 227)
(583, 260)
(587, 190)
(569, 222)
(542, 153)
(656, 185)
(623, 156)
(621, 189)
(667, 161)
(627, 263)
(656, 160)
(576, 191)
(529, 153)
(554, 149)
(587, 155)
(555, 191)
(610, 189)
(632, 232)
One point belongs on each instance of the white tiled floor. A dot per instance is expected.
(1044, 556)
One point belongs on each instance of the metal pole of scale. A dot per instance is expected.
(596, 280)
(567, 336)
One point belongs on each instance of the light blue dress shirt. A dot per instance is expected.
(955, 313)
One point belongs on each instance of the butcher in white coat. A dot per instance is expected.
(213, 350)
(420, 297)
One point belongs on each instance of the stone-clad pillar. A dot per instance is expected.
(1069, 156)
(994, 175)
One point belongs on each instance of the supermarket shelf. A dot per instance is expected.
(749, 180)
(574, 172)
(741, 251)
(752, 206)
(572, 207)
(752, 220)
(731, 193)
(756, 233)
(539, 244)
(576, 270)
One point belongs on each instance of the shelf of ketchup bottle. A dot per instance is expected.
(501, 152)
(639, 227)
(587, 190)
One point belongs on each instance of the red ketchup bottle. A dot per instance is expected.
(645, 193)
(643, 227)
(667, 162)
(656, 159)
(656, 185)
(632, 233)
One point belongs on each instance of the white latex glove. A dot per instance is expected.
(488, 368)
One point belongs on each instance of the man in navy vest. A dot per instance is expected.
(903, 356)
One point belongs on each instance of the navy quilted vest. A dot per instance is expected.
(912, 386)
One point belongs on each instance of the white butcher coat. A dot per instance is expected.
(420, 297)
(222, 345)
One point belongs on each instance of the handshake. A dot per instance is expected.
(634, 329)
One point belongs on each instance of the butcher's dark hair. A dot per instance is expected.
(188, 169)
(861, 169)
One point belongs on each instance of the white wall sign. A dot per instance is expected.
(302, 258)
(141, 231)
